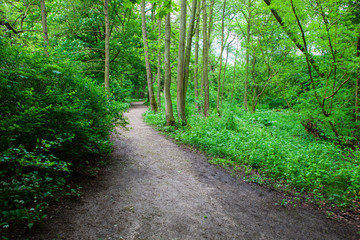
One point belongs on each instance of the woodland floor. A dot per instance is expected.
(155, 189)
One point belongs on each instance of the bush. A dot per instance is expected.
(51, 116)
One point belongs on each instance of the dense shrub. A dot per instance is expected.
(51, 116)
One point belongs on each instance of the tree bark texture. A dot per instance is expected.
(44, 26)
(107, 46)
(159, 65)
(196, 85)
(247, 57)
(234, 76)
(147, 60)
(181, 63)
(170, 121)
(210, 23)
(357, 91)
(188, 46)
(220, 60)
(224, 74)
(205, 78)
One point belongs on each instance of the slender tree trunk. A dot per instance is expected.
(170, 121)
(205, 61)
(200, 70)
(357, 91)
(224, 74)
(357, 107)
(180, 68)
(220, 60)
(44, 26)
(210, 23)
(188, 46)
(107, 46)
(159, 65)
(153, 9)
(233, 80)
(196, 87)
(253, 102)
(247, 59)
(147, 60)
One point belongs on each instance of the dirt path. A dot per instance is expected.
(155, 189)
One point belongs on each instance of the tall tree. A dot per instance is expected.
(190, 35)
(159, 64)
(225, 68)
(147, 59)
(170, 121)
(357, 89)
(234, 75)
(247, 56)
(220, 60)
(197, 37)
(210, 25)
(205, 77)
(44, 26)
(180, 68)
(107, 45)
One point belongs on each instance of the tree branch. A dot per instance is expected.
(308, 60)
(335, 92)
(294, 39)
(116, 55)
(9, 27)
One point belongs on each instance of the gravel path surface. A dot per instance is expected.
(155, 189)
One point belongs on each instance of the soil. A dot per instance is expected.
(155, 189)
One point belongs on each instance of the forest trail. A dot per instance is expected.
(155, 189)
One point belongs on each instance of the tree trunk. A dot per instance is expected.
(210, 23)
(220, 60)
(254, 84)
(147, 60)
(107, 46)
(188, 47)
(159, 65)
(196, 86)
(44, 26)
(357, 107)
(170, 121)
(247, 58)
(153, 9)
(205, 62)
(357, 91)
(224, 74)
(180, 68)
(233, 80)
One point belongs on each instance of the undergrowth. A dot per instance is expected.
(273, 145)
(52, 116)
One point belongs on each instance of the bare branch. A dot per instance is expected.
(335, 92)
(9, 27)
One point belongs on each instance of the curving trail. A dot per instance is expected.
(155, 189)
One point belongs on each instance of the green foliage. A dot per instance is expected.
(51, 116)
(48, 101)
(276, 146)
(85, 44)
(28, 179)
